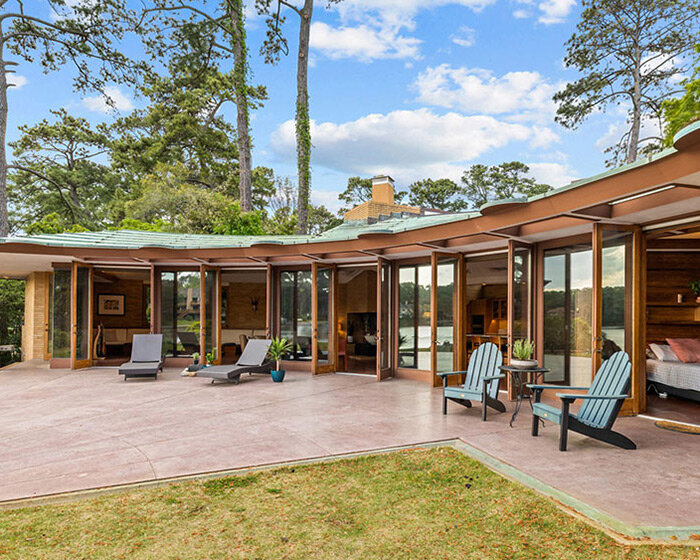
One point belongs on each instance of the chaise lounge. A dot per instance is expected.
(252, 360)
(146, 357)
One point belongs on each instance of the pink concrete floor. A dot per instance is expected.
(62, 431)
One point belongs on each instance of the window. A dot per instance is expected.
(414, 316)
(295, 311)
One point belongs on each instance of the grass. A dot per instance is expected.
(433, 503)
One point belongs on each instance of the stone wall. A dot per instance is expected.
(35, 317)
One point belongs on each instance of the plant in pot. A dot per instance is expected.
(522, 354)
(695, 286)
(279, 348)
(210, 357)
(195, 362)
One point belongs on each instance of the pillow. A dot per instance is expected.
(664, 353)
(687, 349)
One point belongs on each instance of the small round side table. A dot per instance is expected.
(517, 377)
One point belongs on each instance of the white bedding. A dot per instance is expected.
(674, 374)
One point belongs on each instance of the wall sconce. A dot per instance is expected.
(254, 303)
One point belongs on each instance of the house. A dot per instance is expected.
(600, 264)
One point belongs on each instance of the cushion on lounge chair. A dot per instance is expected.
(254, 353)
(147, 348)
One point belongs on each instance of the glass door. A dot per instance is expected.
(323, 327)
(443, 318)
(520, 297)
(81, 316)
(210, 315)
(614, 287)
(384, 340)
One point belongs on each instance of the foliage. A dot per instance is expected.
(82, 33)
(358, 190)
(440, 194)
(279, 348)
(695, 286)
(52, 223)
(195, 357)
(680, 112)
(321, 219)
(137, 225)
(427, 503)
(234, 221)
(482, 184)
(628, 53)
(11, 315)
(523, 349)
(56, 170)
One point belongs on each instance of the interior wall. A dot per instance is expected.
(239, 309)
(134, 304)
(668, 276)
(359, 295)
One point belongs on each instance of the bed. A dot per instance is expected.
(675, 378)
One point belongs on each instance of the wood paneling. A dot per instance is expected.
(239, 308)
(134, 304)
(668, 276)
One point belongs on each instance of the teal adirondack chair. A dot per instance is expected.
(481, 383)
(601, 404)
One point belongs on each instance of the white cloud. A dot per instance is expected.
(543, 137)
(99, 103)
(16, 80)
(408, 145)
(526, 95)
(521, 14)
(555, 11)
(465, 36)
(362, 42)
(554, 174)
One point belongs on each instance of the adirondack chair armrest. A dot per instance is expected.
(570, 397)
(560, 387)
(492, 377)
(449, 373)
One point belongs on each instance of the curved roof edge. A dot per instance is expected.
(687, 136)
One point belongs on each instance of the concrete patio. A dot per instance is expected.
(64, 430)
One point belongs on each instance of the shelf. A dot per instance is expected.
(684, 304)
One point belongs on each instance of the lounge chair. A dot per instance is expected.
(146, 357)
(189, 341)
(601, 405)
(481, 383)
(252, 360)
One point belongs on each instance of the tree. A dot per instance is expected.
(680, 112)
(80, 32)
(274, 45)
(56, 170)
(52, 224)
(182, 121)
(224, 28)
(440, 194)
(477, 186)
(628, 51)
(11, 316)
(357, 191)
(484, 184)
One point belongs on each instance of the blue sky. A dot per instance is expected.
(411, 88)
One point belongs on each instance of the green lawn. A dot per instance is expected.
(415, 504)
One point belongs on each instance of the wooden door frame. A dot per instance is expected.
(330, 367)
(637, 401)
(48, 280)
(435, 257)
(87, 362)
(384, 373)
(512, 246)
(270, 306)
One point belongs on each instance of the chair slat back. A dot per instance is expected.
(484, 362)
(613, 378)
(147, 348)
(255, 352)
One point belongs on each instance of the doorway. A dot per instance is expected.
(357, 319)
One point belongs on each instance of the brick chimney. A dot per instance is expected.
(382, 202)
(383, 190)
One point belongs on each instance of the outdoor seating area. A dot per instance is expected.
(64, 431)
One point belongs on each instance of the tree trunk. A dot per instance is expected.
(4, 218)
(303, 126)
(633, 141)
(245, 174)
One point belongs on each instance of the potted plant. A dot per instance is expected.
(210, 357)
(695, 286)
(279, 348)
(522, 354)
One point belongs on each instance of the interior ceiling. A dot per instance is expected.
(19, 266)
(243, 276)
(111, 275)
(493, 270)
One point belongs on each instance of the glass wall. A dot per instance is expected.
(211, 306)
(568, 300)
(180, 318)
(521, 292)
(414, 316)
(617, 301)
(445, 313)
(61, 315)
(295, 311)
(323, 315)
(82, 313)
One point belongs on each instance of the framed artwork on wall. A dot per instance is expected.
(111, 304)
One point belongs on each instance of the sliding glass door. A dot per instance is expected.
(81, 315)
(414, 328)
(567, 313)
(384, 339)
(180, 317)
(295, 288)
(210, 314)
(323, 318)
(443, 324)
